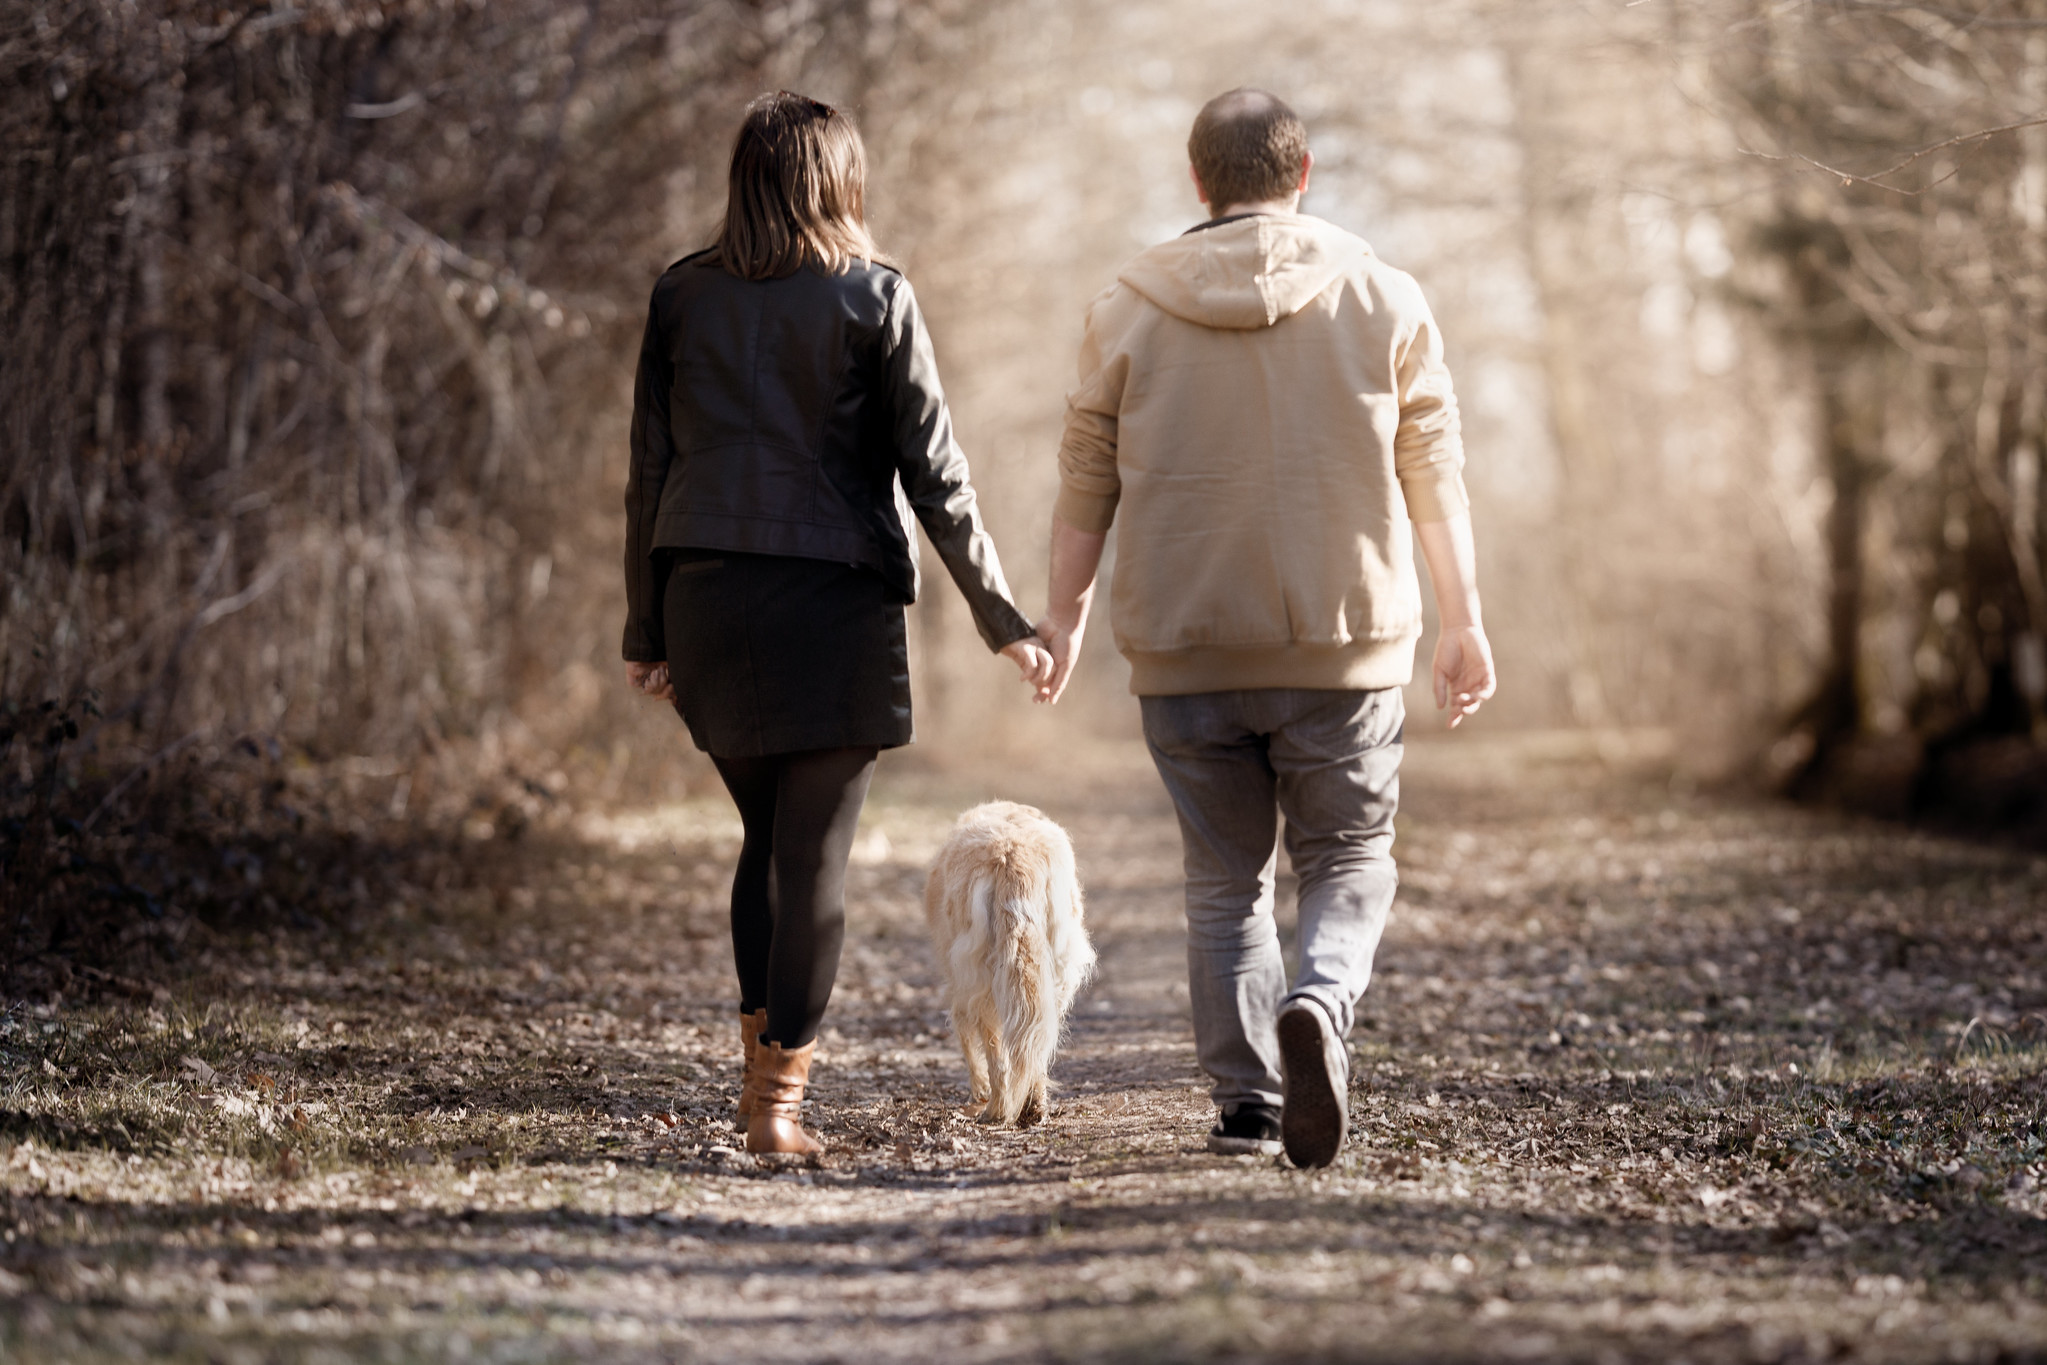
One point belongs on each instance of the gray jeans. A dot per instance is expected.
(1234, 762)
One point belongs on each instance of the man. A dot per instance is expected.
(1264, 404)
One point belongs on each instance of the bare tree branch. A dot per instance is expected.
(1875, 178)
(1959, 18)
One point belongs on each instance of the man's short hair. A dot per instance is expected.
(1247, 146)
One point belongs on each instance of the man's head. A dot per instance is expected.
(1247, 147)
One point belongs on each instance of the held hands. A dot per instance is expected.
(1032, 662)
(1064, 643)
(1463, 672)
(651, 679)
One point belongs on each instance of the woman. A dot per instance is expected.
(787, 414)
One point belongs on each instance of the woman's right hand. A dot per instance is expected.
(1032, 660)
(1064, 644)
(650, 679)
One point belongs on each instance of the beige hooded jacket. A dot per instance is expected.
(1264, 405)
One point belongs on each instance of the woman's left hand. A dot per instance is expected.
(652, 679)
(1032, 660)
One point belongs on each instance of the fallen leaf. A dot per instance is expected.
(201, 1072)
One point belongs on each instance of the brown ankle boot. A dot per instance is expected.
(780, 1076)
(750, 1026)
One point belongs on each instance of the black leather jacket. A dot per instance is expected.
(796, 417)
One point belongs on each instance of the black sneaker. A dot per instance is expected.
(1247, 1130)
(1315, 1116)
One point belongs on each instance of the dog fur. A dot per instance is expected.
(1004, 905)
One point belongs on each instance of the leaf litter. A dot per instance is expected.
(1642, 1074)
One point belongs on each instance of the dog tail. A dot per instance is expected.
(1025, 898)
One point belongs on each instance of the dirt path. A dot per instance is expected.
(1642, 1076)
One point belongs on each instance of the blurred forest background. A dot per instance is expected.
(320, 318)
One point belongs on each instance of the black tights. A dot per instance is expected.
(789, 895)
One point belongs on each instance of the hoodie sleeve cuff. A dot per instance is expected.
(1434, 494)
(1090, 512)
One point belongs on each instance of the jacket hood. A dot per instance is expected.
(1246, 274)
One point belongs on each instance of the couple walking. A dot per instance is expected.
(1264, 411)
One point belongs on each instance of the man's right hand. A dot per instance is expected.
(1463, 672)
(1064, 643)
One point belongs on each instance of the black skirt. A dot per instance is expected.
(771, 654)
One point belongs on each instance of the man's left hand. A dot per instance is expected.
(1064, 643)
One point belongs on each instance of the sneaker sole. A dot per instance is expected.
(1315, 1117)
(1242, 1146)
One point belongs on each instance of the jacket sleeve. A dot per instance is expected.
(653, 454)
(1428, 447)
(1089, 484)
(934, 474)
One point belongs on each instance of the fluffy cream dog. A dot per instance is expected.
(1004, 907)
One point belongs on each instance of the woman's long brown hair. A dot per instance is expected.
(797, 193)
